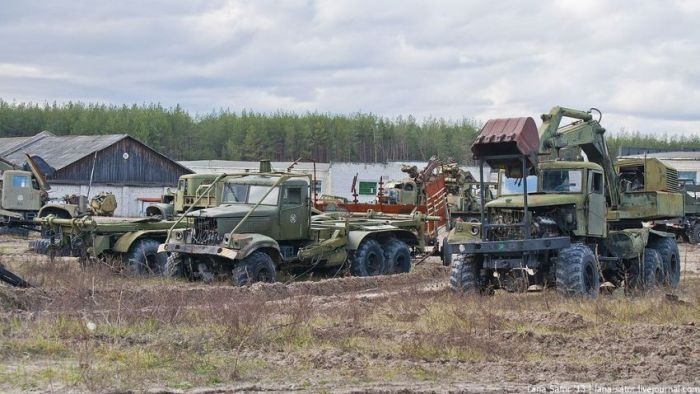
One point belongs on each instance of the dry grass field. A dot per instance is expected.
(94, 329)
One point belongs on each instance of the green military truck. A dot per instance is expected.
(686, 228)
(22, 194)
(265, 222)
(463, 195)
(573, 225)
(189, 190)
(133, 240)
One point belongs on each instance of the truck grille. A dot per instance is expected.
(205, 232)
(506, 217)
(672, 184)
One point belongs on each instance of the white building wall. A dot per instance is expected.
(224, 166)
(341, 175)
(128, 203)
(336, 178)
(684, 166)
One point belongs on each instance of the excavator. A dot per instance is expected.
(567, 216)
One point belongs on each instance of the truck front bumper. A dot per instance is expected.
(512, 254)
(513, 246)
(192, 249)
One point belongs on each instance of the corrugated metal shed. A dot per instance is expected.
(117, 159)
(58, 151)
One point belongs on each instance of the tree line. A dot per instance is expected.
(279, 136)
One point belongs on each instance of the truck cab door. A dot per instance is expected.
(20, 192)
(596, 204)
(294, 213)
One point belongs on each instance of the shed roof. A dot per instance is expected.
(57, 151)
(5, 165)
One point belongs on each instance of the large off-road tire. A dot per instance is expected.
(446, 253)
(397, 257)
(368, 259)
(649, 274)
(577, 273)
(694, 234)
(668, 249)
(143, 258)
(174, 266)
(257, 267)
(465, 275)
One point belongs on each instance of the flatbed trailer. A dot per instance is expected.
(133, 240)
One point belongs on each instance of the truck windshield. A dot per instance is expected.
(510, 186)
(257, 192)
(562, 181)
(235, 193)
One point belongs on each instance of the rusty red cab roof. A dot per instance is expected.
(507, 136)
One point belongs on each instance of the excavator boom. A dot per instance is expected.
(586, 134)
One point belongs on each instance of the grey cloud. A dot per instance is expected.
(634, 60)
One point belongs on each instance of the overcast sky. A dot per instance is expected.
(637, 61)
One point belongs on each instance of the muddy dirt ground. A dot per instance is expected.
(95, 329)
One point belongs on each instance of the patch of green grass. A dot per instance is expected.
(38, 346)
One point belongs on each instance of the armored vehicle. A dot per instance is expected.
(265, 222)
(570, 224)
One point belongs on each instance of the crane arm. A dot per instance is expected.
(586, 134)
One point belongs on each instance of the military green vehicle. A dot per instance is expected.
(463, 195)
(133, 240)
(573, 225)
(189, 190)
(22, 194)
(686, 228)
(266, 222)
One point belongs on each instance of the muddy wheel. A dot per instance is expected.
(174, 266)
(465, 275)
(397, 257)
(649, 274)
(577, 272)
(668, 249)
(368, 259)
(446, 253)
(694, 234)
(257, 267)
(143, 258)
